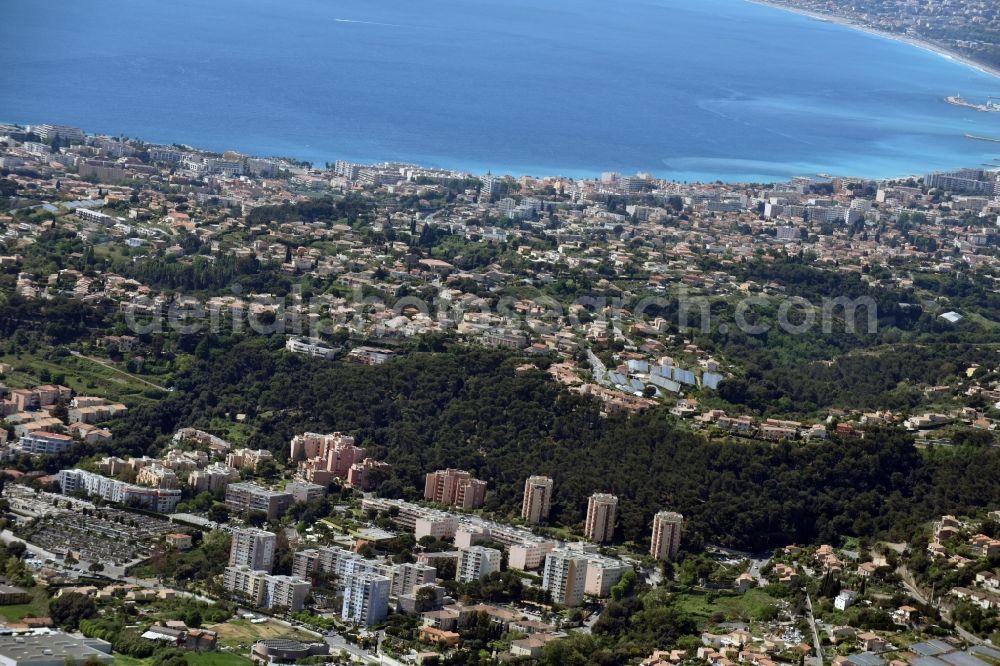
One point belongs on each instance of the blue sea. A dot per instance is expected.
(687, 89)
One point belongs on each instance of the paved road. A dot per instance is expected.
(818, 659)
(8, 537)
(338, 644)
(906, 577)
(756, 565)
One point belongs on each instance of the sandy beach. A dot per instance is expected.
(912, 41)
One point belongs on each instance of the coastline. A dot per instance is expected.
(917, 42)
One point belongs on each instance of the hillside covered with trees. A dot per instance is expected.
(471, 408)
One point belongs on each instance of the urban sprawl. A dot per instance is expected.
(616, 288)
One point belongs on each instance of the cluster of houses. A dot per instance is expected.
(48, 419)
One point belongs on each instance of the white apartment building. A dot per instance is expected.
(477, 563)
(163, 500)
(565, 577)
(366, 599)
(253, 548)
(407, 577)
(265, 590)
(42, 442)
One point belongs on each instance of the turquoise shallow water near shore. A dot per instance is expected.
(706, 89)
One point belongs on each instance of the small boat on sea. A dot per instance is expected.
(989, 107)
(983, 138)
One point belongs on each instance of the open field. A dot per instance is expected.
(754, 605)
(217, 659)
(37, 607)
(243, 633)
(82, 375)
(193, 659)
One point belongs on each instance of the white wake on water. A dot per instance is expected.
(388, 25)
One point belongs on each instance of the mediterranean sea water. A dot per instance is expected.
(687, 89)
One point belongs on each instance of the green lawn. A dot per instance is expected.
(37, 607)
(231, 431)
(122, 660)
(754, 605)
(82, 375)
(193, 659)
(217, 659)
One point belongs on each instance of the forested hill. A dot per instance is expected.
(470, 408)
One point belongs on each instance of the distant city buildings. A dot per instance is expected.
(525, 550)
(455, 487)
(666, 540)
(537, 502)
(50, 133)
(967, 181)
(602, 510)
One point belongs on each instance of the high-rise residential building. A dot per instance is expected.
(602, 510)
(455, 487)
(323, 458)
(265, 590)
(407, 577)
(339, 562)
(254, 548)
(348, 170)
(366, 599)
(492, 185)
(251, 497)
(565, 577)
(157, 476)
(667, 526)
(602, 574)
(537, 500)
(285, 592)
(477, 563)
(366, 474)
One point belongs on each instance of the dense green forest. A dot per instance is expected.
(469, 408)
(780, 372)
